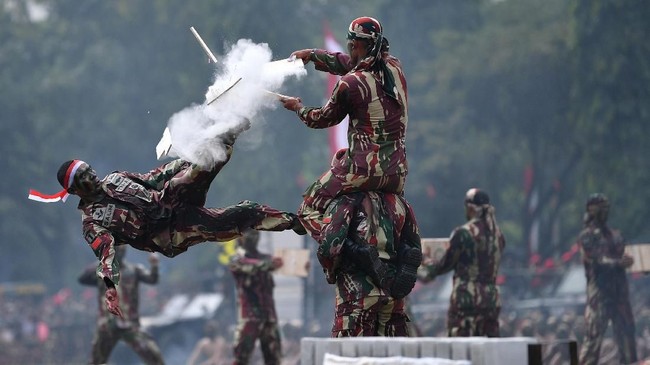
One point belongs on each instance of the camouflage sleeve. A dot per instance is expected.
(594, 253)
(332, 113)
(157, 177)
(102, 243)
(458, 242)
(249, 266)
(147, 276)
(336, 63)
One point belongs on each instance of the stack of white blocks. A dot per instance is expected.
(478, 350)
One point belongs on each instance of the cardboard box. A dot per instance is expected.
(296, 261)
(641, 254)
(434, 248)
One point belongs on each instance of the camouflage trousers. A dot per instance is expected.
(464, 323)
(195, 224)
(597, 317)
(318, 196)
(371, 316)
(191, 223)
(106, 337)
(248, 332)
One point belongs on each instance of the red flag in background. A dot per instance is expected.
(338, 134)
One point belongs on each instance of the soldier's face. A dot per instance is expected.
(85, 181)
(249, 240)
(600, 212)
(603, 213)
(356, 50)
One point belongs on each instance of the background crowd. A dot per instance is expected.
(39, 328)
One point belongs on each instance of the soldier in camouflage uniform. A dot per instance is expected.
(474, 254)
(372, 91)
(161, 211)
(367, 305)
(608, 296)
(111, 329)
(257, 318)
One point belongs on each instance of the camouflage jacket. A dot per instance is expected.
(602, 248)
(131, 210)
(475, 259)
(377, 125)
(383, 220)
(254, 286)
(128, 292)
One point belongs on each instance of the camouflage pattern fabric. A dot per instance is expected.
(474, 255)
(111, 329)
(387, 222)
(162, 211)
(257, 318)
(607, 294)
(376, 157)
(370, 316)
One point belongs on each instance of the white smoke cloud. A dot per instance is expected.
(196, 130)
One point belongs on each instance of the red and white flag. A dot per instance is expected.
(338, 134)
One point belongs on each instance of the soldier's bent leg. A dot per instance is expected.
(357, 318)
(145, 346)
(191, 185)
(596, 322)
(270, 343)
(624, 332)
(196, 224)
(459, 324)
(104, 342)
(246, 334)
(487, 323)
(392, 318)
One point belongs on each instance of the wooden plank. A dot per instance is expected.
(295, 261)
(434, 249)
(640, 252)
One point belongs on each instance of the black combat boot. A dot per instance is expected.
(408, 261)
(231, 135)
(366, 257)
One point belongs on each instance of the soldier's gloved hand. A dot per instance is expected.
(277, 262)
(303, 54)
(113, 302)
(291, 103)
(627, 261)
(423, 275)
